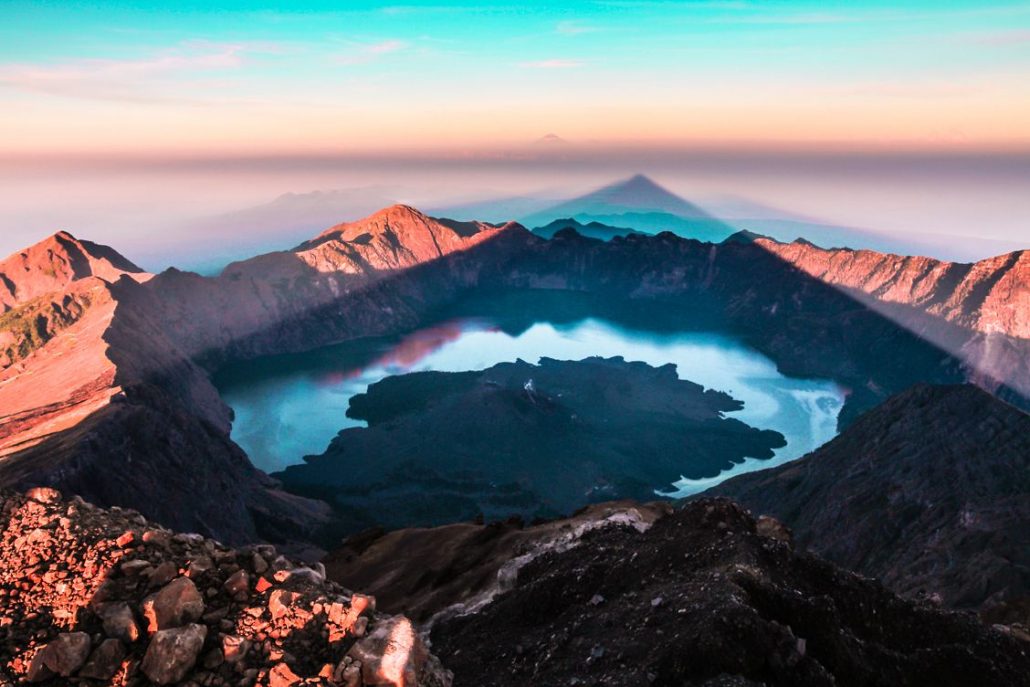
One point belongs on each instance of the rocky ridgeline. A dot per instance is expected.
(91, 597)
(710, 596)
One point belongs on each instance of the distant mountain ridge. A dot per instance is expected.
(988, 296)
(593, 230)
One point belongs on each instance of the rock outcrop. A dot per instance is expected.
(107, 597)
(709, 596)
(929, 492)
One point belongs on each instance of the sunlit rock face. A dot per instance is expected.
(56, 303)
(991, 296)
(389, 267)
(54, 263)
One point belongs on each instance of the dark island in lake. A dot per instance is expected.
(522, 439)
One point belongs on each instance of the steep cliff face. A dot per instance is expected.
(55, 370)
(55, 305)
(991, 296)
(930, 492)
(50, 286)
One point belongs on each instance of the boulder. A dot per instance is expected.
(282, 676)
(393, 654)
(105, 660)
(119, 621)
(238, 583)
(280, 601)
(176, 604)
(44, 494)
(173, 652)
(66, 654)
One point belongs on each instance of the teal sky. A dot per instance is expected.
(152, 77)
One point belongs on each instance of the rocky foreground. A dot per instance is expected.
(97, 597)
(709, 596)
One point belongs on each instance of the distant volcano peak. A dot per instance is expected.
(551, 139)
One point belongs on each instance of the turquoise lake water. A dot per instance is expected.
(285, 411)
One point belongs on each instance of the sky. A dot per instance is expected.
(197, 78)
(140, 123)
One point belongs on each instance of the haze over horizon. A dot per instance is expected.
(146, 121)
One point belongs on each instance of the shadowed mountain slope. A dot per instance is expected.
(930, 492)
(708, 596)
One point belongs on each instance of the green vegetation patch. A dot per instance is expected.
(29, 327)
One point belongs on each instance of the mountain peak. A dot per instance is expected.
(55, 262)
(550, 139)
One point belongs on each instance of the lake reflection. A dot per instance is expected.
(286, 410)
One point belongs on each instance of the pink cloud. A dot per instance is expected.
(368, 52)
(126, 80)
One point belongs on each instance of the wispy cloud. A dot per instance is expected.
(1001, 38)
(137, 80)
(764, 15)
(573, 28)
(925, 89)
(552, 64)
(368, 52)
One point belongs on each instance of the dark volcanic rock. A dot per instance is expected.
(930, 492)
(701, 598)
(532, 440)
(423, 571)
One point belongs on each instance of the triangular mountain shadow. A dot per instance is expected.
(638, 203)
